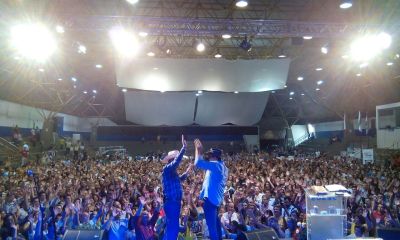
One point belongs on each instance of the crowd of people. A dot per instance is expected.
(125, 197)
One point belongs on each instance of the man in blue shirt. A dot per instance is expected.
(214, 183)
(172, 190)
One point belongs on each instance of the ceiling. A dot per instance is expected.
(274, 28)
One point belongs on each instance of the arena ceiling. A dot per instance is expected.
(273, 27)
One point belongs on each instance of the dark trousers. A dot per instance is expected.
(172, 211)
(212, 219)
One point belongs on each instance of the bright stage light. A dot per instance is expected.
(307, 37)
(320, 82)
(291, 93)
(226, 36)
(124, 90)
(99, 66)
(302, 94)
(151, 54)
(300, 78)
(73, 79)
(290, 98)
(358, 74)
(60, 29)
(124, 42)
(94, 91)
(389, 64)
(241, 3)
(317, 89)
(41, 70)
(346, 4)
(235, 92)
(199, 92)
(200, 47)
(81, 49)
(282, 56)
(59, 79)
(33, 41)
(319, 69)
(367, 47)
(324, 50)
(143, 34)
(132, 1)
(84, 92)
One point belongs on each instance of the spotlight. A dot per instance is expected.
(291, 93)
(59, 79)
(84, 92)
(272, 91)
(235, 92)
(168, 51)
(200, 92)
(155, 68)
(367, 47)
(94, 91)
(74, 86)
(281, 55)
(307, 37)
(197, 94)
(389, 64)
(324, 49)
(320, 82)
(226, 36)
(74, 79)
(81, 49)
(162, 91)
(143, 34)
(285, 86)
(41, 70)
(124, 90)
(241, 3)
(358, 74)
(33, 41)
(124, 42)
(290, 98)
(200, 47)
(245, 45)
(397, 56)
(300, 78)
(99, 66)
(132, 1)
(151, 54)
(346, 4)
(218, 54)
(363, 65)
(302, 94)
(319, 69)
(317, 89)
(60, 29)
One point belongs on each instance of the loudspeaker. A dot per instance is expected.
(262, 234)
(83, 234)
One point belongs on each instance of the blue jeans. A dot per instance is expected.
(212, 219)
(172, 211)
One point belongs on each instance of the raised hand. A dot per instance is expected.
(142, 200)
(198, 145)
(184, 144)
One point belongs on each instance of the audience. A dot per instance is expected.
(123, 197)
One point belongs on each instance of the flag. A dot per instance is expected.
(344, 121)
(359, 121)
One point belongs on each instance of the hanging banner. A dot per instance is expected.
(368, 156)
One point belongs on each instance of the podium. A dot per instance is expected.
(326, 215)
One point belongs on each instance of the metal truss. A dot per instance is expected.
(207, 27)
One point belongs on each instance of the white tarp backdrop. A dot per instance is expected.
(159, 74)
(178, 108)
(242, 109)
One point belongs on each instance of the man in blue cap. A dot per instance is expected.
(214, 183)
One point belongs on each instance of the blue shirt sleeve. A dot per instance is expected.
(205, 165)
(175, 163)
